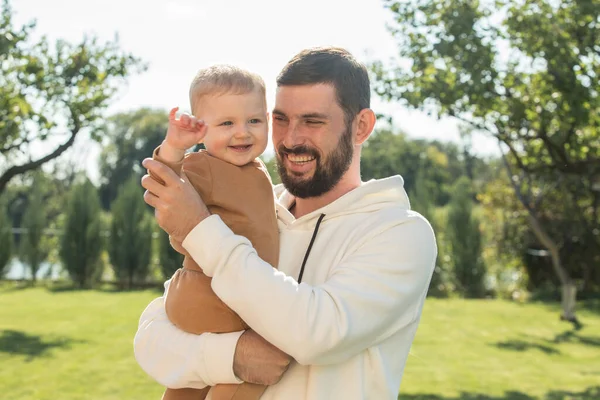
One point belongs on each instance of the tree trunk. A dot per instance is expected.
(569, 298)
(21, 169)
(569, 289)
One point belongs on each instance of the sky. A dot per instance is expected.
(178, 37)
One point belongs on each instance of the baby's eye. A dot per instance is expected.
(255, 121)
(226, 123)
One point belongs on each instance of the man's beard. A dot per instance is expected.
(328, 172)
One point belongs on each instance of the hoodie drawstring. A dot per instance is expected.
(312, 240)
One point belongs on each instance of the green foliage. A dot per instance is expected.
(464, 236)
(53, 188)
(537, 97)
(271, 164)
(538, 92)
(6, 239)
(51, 92)
(522, 72)
(387, 153)
(420, 198)
(128, 138)
(506, 238)
(421, 201)
(169, 259)
(514, 251)
(130, 244)
(34, 249)
(82, 243)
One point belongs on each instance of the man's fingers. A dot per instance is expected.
(151, 199)
(165, 173)
(183, 176)
(150, 184)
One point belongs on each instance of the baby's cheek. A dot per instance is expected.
(216, 144)
(262, 134)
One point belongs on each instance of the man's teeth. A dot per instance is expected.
(298, 159)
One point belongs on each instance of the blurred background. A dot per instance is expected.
(488, 109)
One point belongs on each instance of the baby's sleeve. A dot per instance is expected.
(175, 166)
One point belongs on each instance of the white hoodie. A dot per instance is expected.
(350, 323)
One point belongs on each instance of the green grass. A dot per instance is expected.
(71, 345)
(74, 345)
(491, 350)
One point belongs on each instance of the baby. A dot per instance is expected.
(230, 117)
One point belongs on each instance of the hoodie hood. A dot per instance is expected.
(370, 196)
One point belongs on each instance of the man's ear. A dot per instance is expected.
(365, 123)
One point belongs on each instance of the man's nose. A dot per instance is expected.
(293, 136)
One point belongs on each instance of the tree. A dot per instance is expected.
(130, 235)
(170, 260)
(464, 236)
(6, 238)
(51, 93)
(442, 282)
(506, 236)
(387, 153)
(82, 243)
(420, 200)
(522, 72)
(271, 164)
(128, 138)
(33, 249)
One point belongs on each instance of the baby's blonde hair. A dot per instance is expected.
(221, 79)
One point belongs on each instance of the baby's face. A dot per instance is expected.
(237, 126)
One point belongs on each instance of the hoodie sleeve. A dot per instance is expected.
(375, 292)
(177, 359)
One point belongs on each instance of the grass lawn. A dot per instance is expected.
(75, 345)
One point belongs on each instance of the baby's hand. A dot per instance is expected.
(184, 132)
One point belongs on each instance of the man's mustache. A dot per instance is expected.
(296, 150)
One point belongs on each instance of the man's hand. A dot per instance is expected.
(258, 361)
(177, 246)
(178, 207)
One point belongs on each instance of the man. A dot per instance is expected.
(355, 261)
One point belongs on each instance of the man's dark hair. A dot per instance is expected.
(332, 65)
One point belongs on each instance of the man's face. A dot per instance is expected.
(313, 145)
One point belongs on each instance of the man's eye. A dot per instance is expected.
(313, 122)
(227, 123)
(279, 118)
